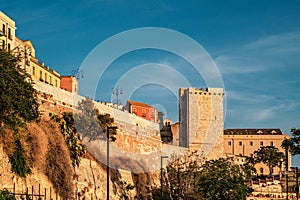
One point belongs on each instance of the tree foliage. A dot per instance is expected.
(221, 179)
(6, 195)
(90, 124)
(18, 98)
(270, 156)
(18, 105)
(293, 144)
(190, 177)
(67, 127)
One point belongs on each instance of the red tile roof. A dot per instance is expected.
(139, 104)
(253, 132)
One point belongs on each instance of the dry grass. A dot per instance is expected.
(45, 145)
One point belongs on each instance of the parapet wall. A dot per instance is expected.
(58, 100)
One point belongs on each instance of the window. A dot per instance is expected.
(8, 47)
(33, 70)
(3, 44)
(240, 143)
(9, 34)
(46, 77)
(271, 143)
(261, 143)
(134, 110)
(229, 143)
(261, 170)
(143, 113)
(41, 75)
(55, 83)
(3, 29)
(251, 143)
(50, 79)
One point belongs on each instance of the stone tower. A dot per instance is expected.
(201, 120)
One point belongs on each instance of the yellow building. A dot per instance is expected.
(38, 71)
(243, 142)
(25, 50)
(7, 32)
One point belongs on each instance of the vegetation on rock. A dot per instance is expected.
(18, 105)
(67, 127)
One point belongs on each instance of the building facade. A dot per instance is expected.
(201, 120)
(69, 83)
(243, 142)
(37, 70)
(7, 32)
(142, 110)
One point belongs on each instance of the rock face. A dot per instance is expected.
(54, 176)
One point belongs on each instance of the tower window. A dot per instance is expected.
(240, 143)
(251, 143)
(229, 143)
(271, 143)
(33, 70)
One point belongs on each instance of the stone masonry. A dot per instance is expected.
(201, 120)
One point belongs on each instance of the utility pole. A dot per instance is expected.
(117, 91)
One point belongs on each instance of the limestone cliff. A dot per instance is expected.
(53, 174)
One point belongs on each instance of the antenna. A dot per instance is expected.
(117, 91)
(78, 73)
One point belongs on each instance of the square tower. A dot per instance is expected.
(201, 120)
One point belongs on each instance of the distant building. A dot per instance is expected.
(243, 142)
(201, 120)
(142, 110)
(69, 83)
(170, 132)
(7, 32)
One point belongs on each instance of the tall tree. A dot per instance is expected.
(221, 179)
(270, 156)
(18, 105)
(293, 144)
(19, 102)
(189, 177)
(90, 124)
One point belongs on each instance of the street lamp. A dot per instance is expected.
(297, 184)
(179, 184)
(161, 174)
(107, 158)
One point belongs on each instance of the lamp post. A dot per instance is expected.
(297, 184)
(161, 175)
(107, 158)
(179, 184)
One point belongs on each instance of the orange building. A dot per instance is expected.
(69, 83)
(142, 110)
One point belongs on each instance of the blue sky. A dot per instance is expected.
(255, 45)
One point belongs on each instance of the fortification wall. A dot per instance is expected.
(58, 100)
